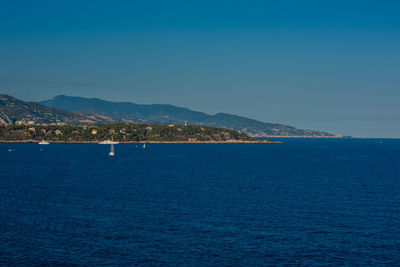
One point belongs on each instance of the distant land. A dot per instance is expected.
(31, 122)
(124, 133)
(90, 111)
(168, 114)
(14, 111)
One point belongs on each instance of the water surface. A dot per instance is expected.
(306, 202)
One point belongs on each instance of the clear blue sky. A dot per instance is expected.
(328, 65)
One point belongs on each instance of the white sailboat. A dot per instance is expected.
(144, 145)
(43, 142)
(111, 143)
(111, 150)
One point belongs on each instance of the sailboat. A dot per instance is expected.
(144, 145)
(111, 150)
(43, 142)
(111, 143)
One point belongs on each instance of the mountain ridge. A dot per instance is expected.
(169, 114)
(15, 111)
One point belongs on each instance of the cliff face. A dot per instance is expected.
(4, 119)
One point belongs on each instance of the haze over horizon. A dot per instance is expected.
(330, 66)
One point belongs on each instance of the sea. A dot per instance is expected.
(304, 202)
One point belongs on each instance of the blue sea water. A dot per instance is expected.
(303, 202)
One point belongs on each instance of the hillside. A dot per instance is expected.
(14, 111)
(121, 132)
(167, 114)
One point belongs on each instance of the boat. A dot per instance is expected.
(108, 142)
(111, 143)
(43, 143)
(144, 145)
(111, 150)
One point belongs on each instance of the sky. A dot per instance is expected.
(323, 65)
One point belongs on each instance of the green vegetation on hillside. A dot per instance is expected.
(118, 132)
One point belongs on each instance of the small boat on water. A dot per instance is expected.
(43, 143)
(144, 145)
(111, 150)
(111, 143)
(108, 142)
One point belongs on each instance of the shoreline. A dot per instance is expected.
(304, 136)
(150, 142)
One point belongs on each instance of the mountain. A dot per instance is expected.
(168, 114)
(14, 111)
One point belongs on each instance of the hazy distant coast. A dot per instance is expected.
(305, 136)
(91, 111)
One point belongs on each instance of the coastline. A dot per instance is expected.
(151, 142)
(304, 136)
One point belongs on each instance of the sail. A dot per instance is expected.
(112, 150)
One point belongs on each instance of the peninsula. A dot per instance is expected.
(123, 133)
